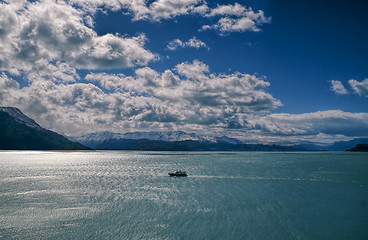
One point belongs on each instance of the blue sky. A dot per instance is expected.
(261, 71)
(306, 44)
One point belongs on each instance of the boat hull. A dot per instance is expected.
(178, 174)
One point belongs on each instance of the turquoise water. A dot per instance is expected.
(128, 195)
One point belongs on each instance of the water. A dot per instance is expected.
(128, 195)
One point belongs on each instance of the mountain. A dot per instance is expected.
(151, 145)
(344, 145)
(228, 140)
(336, 146)
(19, 132)
(250, 147)
(187, 145)
(165, 136)
(172, 141)
(94, 139)
(20, 117)
(359, 148)
(307, 145)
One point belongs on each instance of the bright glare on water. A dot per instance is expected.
(129, 195)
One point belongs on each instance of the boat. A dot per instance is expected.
(178, 174)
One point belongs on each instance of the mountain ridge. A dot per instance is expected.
(96, 138)
(19, 132)
(186, 145)
(20, 117)
(93, 140)
(359, 148)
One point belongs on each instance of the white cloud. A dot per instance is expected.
(218, 104)
(338, 88)
(332, 122)
(164, 9)
(47, 41)
(111, 51)
(58, 72)
(201, 9)
(225, 94)
(360, 88)
(174, 44)
(237, 18)
(188, 97)
(37, 34)
(155, 11)
(7, 86)
(194, 42)
(138, 8)
(195, 71)
(231, 10)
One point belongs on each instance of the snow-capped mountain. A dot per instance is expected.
(225, 139)
(166, 136)
(20, 117)
(94, 139)
(100, 136)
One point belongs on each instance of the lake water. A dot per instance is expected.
(227, 195)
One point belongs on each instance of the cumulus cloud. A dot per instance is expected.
(232, 18)
(79, 107)
(194, 42)
(195, 86)
(174, 99)
(7, 86)
(171, 102)
(37, 34)
(111, 51)
(236, 18)
(188, 95)
(332, 122)
(232, 10)
(155, 11)
(360, 88)
(137, 7)
(48, 41)
(164, 9)
(338, 88)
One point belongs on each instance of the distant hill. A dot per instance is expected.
(151, 145)
(345, 145)
(336, 146)
(19, 132)
(359, 148)
(250, 147)
(172, 139)
(93, 140)
(306, 145)
(187, 145)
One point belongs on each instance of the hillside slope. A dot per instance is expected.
(18, 132)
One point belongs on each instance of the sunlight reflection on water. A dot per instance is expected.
(128, 195)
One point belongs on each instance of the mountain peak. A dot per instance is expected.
(20, 117)
(94, 139)
(19, 132)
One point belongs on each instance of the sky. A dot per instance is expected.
(259, 70)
